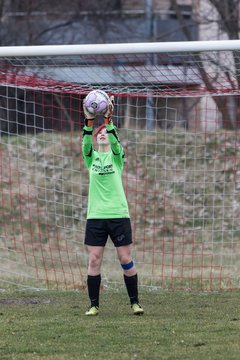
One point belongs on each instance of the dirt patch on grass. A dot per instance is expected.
(26, 301)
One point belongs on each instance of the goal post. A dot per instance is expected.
(177, 112)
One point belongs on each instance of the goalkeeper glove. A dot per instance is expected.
(109, 112)
(88, 117)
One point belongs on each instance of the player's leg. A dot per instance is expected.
(121, 234)
(130, 277)
(95, 239)
(95, 256)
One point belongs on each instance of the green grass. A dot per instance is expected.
(176, 325)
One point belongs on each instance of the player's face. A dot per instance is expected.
(102, 137)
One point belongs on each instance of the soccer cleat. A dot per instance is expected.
(92, 311)
(137, 309)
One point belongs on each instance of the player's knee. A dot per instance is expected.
(94, 261)
(128, 266)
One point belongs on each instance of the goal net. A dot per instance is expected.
(177, 114)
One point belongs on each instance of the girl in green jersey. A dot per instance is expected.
(107, 214)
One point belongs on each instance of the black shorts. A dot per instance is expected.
(98, 230)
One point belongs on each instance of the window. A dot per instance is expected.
(185, 10)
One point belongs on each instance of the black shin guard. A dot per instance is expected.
(131, 283)
(93, 283)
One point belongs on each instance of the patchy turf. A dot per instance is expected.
(176, 325)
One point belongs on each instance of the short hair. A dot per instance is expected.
(98, 129)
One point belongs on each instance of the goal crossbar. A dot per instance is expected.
(129, 48)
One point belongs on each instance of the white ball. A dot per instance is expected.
(97, 102)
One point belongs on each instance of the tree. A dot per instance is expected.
(228, 22)
(29, 22)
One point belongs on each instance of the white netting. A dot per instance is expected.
(178, 119)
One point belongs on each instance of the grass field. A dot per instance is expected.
(176, 325)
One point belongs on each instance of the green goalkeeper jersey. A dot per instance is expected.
(106, 197)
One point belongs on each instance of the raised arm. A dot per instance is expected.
(115, 144)
(114, 139)
(87, 147)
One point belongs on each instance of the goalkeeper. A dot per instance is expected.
(107, 213)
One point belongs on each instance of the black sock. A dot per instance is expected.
(93, 283)
(131, 283)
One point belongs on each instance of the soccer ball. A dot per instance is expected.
(96, 102)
